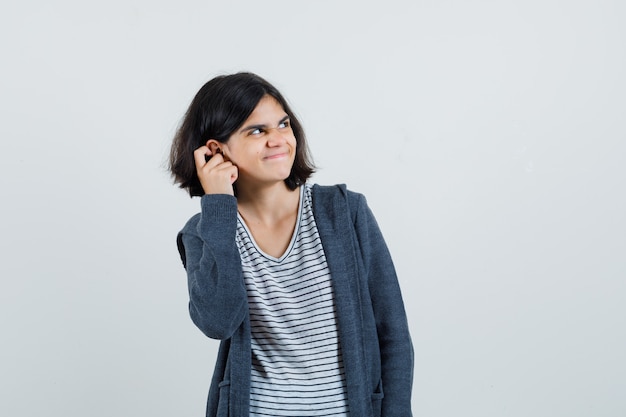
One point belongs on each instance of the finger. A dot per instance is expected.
(229, 171)
(215, 160)
(225, 170)
(200, 154)
(234, 175)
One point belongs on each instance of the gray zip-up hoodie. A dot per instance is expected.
(373, 330)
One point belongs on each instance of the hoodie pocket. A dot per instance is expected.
(377, 400)
(222, 402)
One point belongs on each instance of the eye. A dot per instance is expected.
(255, 132)
(284, 124)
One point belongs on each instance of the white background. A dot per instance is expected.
(488, 136)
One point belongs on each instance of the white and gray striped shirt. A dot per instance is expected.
(297, 368)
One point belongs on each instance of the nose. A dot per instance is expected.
(275, 137)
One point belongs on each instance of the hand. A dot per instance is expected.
(216, 175)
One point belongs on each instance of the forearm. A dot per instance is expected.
(217, 297)
(397, 372)
(396, 349)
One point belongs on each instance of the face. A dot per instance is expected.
(264, 147)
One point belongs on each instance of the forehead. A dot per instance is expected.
(267, 108)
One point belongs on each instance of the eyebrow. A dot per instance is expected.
(261, 126)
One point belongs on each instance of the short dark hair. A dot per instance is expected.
(220, 107)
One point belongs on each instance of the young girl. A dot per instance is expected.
(294, 279)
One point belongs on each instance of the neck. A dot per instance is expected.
(268, 204)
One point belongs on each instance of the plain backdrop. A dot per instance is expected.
(488, 136)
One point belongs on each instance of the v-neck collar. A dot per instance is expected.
(293, 236)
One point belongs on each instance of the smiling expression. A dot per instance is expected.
(264, 147)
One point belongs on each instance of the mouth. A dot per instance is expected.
(276, 156)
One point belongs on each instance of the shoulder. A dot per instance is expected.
(336, 198)
(337, 191)
(192, 224)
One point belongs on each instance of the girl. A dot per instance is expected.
(294, 279)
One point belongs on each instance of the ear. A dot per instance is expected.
(214, 146)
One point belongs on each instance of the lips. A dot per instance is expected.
(276, 155)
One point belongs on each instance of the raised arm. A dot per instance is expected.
(217, 295)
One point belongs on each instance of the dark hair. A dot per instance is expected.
(220, 107)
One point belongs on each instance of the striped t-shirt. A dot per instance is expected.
(297, 368)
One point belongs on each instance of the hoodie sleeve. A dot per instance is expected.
(394, 340)
(217, 295)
